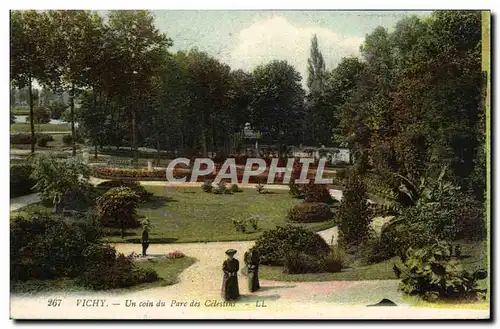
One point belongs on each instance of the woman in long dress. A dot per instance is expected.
(230, 267)
(252, 261)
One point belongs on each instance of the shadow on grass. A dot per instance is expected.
(157, 201)
(117, 233)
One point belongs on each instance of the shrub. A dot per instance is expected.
(140, 190)
(43, 139)
(21, 138)
(67, 140)
(57, 109)
(310, 212)
(207, 186)
(318, 193)
(221, 188)
(21, 182)
(334, 261)
(235, 188)
(117, 208)
(374, 250)
(353, 213)
(46, 247)
(431, 273)
(41, 115)
(56, 179)
(240, 225)
(175, 254)
(296, 190)
(254, 222)
(273, 244)
(296, 262)
(260, 188)
(105, 270)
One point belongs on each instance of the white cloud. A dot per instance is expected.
(276, 38)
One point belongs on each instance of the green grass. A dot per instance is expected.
(20, 110)
(25, 127)
(186, 214)
(168, 270)
(474, 257)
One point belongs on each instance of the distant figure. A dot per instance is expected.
(145, 241)
(252, 261)
(230, 267)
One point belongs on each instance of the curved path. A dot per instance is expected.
(201, 282)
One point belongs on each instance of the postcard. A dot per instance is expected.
(230, 164)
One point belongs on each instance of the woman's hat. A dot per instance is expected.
(230, 252)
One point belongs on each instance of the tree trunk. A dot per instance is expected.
(32, 122)
(122, 229)
(134, 138)
(158, 150)
(95, 151)
(203, 135)
(72, 111)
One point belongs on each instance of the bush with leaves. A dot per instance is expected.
(104, 269)
(43, 139)
(21, 138)
(44, 246)
(353, 213)
(318, 193)
(21, 182)
(57, 109)
(221, 188)
(335, 260)
(296, 262)
(207, 186)
(140, 190)
(309, 212)
(56, 179)
(41, 115)
(274, 244)
(118, 208)
(431, 273)
(240, 225)
(235, 188)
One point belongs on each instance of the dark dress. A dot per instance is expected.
(230, 290)
(252, 260)
(145, 242)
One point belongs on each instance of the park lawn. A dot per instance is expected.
(25, 127)
(474, 256)
(168, 271)
(187, 214)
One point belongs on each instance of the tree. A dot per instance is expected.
(277, 105)
(28, 37)
(354, 213)
(140, 51)
(118, 206)
(315, 68)
(57, 179)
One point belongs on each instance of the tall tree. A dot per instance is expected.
(140, 53)
(277, 106)
(28, 37)
(315, 68)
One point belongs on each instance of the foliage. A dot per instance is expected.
(21, 182)
(353, 214)
(47, 247)
(117, 208)
(431, 273)
(335, 260)
(235, 189)
(175, 254)
(105, 269)
(57, 109)
(43, 139)
(260, 188)
(308, 212)
(132, 173)
(297, 262)
(207, 186)
(240, 225)
(21, 138)
(318, 193)
(41, 115)
(57, 178)
(140, 190)
(274, 244)
(221, 188)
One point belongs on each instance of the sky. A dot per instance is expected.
(245, 39)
